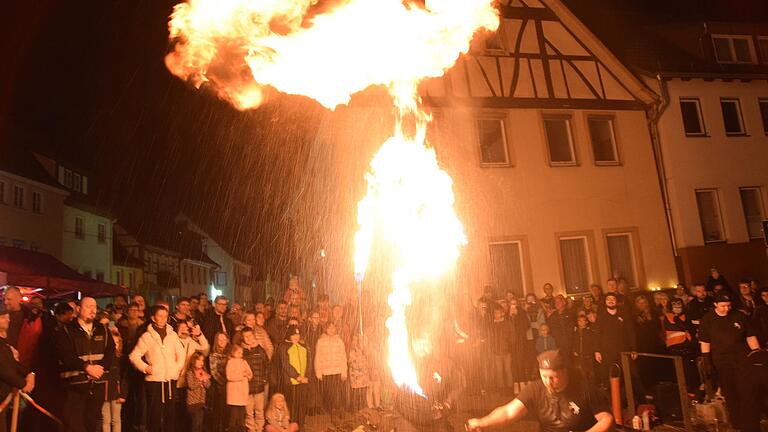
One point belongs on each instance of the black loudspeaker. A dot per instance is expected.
(667, 400)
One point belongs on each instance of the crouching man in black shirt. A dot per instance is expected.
(561, 402)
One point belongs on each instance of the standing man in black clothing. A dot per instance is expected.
(615, 334)
(560, 402)
(699, 305)
(760, 319)
(715, 278)
(726, 338)
(85, 351)
(277, 324)
(561, 324)
(215, 319)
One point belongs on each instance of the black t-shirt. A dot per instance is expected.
(572, 410)
(727, 335)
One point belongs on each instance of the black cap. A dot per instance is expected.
(62, 308)
(722, 296)
(676, 301)
(551, 360)
(292, 330)
(611, 294)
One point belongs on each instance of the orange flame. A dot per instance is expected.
(245, 48)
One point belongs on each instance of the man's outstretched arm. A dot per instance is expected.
(501, 415)
(604, 422)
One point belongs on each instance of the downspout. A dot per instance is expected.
(655, 112)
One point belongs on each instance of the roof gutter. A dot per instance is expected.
(655, 111)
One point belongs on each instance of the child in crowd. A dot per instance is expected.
(331, 368)
(584, 345)
(217, 397)
(238, 374)
(278, 416)
(359, 378)
(198, 380)
(545, 342)
(115, 397)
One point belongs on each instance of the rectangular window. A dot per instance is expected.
(102, 233)
(732, 120)
(77, 183)
(621, 256)
(100, 276)
(733, 49)
(559, 140)
(493, 141)
(130, 280)
(710, 216)
(118, 277)
(3, 192)
(764, 112)
(221, 279)
(34, 247)
(19, 243)
(18, 196)
(79, 227)
(37, 202)
(507, 268)
(693, 121)
(576, 263)
(603, 137)
(492, 41)
(752, 203)
(68, 178)
(762, 43)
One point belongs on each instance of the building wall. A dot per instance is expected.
(720, 162)
(121, 275)
(534, 202)
(87, 253)
(36, 230)
(195, 278)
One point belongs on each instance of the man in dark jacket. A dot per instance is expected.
(296, 370)
(760, 319)
(13, 375)
(85, 352)
(216, 320)
(615, 334)
(561, 324)
(258, 361)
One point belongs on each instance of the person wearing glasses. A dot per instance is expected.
(216, 319)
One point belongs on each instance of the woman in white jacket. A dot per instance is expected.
(165, 358)
(331, 368)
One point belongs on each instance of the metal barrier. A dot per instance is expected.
(679, 375)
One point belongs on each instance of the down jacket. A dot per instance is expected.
(330, 357)
(166, 356)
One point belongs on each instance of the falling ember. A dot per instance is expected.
(329, 50)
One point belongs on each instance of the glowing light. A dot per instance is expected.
(244, 49)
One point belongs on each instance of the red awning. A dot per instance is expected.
(37, 270)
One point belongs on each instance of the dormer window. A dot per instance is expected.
(733, 49)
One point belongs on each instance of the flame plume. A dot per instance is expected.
(328, 51)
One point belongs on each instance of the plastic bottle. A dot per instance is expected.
(646, 421)
(637, 424)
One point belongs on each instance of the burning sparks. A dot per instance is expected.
(329, 50)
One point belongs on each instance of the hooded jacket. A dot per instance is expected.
(165, 355)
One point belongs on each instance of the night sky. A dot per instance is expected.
(85, 81)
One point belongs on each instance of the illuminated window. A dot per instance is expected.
(709, 215)
(559, 140)
(576, 264)
(603, 137)
(621, 256)
(493, 141)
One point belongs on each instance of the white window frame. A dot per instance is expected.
(501, 120)
(587, 254)
(760, 103)
(80, 235)
(737, 102)
(700, 114)
(760, 205)
(718, 208)
(519, 244)
(4, 191)
(730, 39)
(763, 55)
(19, 204)
(631, 236)
(37, 202)
(612, 125)
(99, 238)
(568, 118)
